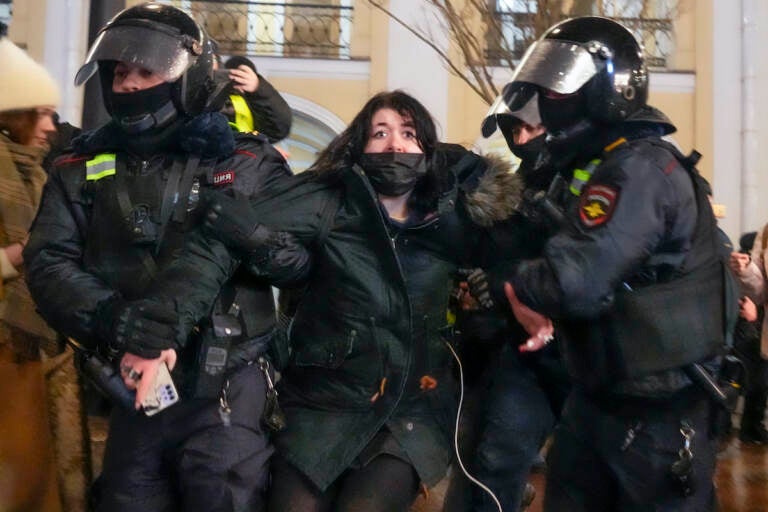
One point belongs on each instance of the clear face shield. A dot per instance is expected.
(559, 66)
(148, 45)
(516, 100)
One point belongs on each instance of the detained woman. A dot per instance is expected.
(386, 216)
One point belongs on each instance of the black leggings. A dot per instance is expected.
(386, 484)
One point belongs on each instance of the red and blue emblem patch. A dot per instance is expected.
(597, 204)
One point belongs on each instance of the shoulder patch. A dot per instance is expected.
(597, 204)
(223, 177)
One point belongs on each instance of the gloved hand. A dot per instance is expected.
(477, 280)
(143, 327)
(234, 222)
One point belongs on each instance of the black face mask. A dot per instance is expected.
(534, 163)
(559, 114)
(393, 174)
(530, 152)
(144, 110)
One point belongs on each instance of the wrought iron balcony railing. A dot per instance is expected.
(656, 35)
(275, 29)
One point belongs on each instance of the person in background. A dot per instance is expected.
(255, 104)
(515, 399)
(115, 213)
(269, 112)
(27, 463)
(751, 336)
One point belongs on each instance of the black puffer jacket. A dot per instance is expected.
(366, 347)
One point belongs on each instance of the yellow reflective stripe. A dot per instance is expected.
(100, 166)
(582, 176)
(243, 116)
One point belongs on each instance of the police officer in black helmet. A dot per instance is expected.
(632, 279)
(515, 396)
(114, 214)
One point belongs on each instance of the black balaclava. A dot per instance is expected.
(561, 114)
(393, 174)
(144, 110)
(535, 168)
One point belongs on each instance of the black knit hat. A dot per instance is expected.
(239, 60)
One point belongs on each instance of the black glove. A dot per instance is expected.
(479, 288)
(143, 327)
(234, 222)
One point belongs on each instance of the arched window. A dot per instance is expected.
(314, 127)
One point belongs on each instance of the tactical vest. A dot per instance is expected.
(135, 224)
(662, 326)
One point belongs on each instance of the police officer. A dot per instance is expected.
(513, 402)
(113, 215)
(633, 280)
(255, 103)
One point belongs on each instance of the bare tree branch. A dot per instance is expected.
(446, 59)
(482, 36)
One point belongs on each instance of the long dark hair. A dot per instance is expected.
(346, 148)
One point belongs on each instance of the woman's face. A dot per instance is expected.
(44, 127)
(391, 133)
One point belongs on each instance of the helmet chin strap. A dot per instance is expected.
(151, 120)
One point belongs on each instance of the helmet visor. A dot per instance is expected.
(161, 52)
(517, 100)
(556, 65)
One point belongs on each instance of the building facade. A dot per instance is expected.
(329, 56)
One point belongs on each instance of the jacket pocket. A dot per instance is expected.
(325, 348)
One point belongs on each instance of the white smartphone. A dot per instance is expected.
(164, 395)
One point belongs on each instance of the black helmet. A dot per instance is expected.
(162, 39)
(596, 57)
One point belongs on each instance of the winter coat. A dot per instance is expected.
(27, 455)
(21, 184)
(753, 282)
(366, 349)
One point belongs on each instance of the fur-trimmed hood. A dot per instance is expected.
(497, 194)
(491, 191)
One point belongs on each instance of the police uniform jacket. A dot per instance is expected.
(631, 227)
(106, 225)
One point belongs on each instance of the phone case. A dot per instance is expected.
(165, 394)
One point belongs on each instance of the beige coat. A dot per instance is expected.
(753, 282)
(42, 415)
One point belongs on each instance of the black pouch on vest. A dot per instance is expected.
(215, 345)
(668, 325)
